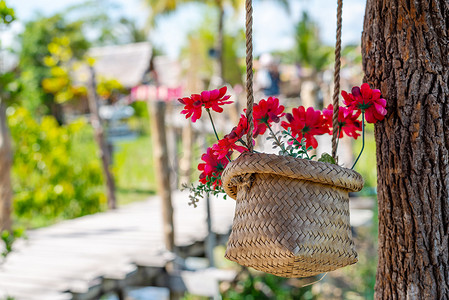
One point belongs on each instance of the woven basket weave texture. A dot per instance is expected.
(292, 215)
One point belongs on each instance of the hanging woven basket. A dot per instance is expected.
(292, 215)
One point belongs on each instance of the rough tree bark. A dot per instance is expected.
(405, 48)
(5, 174)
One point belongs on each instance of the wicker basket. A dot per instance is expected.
(292, 215)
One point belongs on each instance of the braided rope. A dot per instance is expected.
(337, 79)
(249, 73)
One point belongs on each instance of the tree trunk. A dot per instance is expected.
(405, 48)
(172, 148)
(160, 153)
(220, 41)
(5, 171)
(100, 139)
(185, 164)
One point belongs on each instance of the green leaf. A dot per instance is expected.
(327, 158)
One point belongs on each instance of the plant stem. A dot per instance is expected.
(243, 143)
(276, 138)
(338, 137)
(215, 130)
(363, 140)
(306, 152)
(213, 125)
(303, 147)
(246, 145)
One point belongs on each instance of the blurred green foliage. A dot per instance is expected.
(198, 51)
(54, 176)
(310, 51)
(38, 39)
(351, 55)
(9, 237)
(7, 14)
(366, 165)
(262, 286)
(362, 275)
(233, 68)
(9, 86)
(140, 121)
(60, 61)
(133, 166)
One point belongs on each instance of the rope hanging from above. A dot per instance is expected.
(337, 79)
(249, 75)
(292, 215)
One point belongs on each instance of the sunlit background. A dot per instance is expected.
(140, 52)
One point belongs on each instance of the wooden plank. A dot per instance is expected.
(76, 254)
(35, 295)
(31, 292)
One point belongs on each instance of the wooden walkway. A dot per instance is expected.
(78, 258)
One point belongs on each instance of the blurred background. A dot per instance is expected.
(87, 90)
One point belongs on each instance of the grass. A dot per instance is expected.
(366, 165)
(133, 169)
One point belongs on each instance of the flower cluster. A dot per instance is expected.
(367, 101)
(348, 120)
(301, 126)
(306, 124)
(212, 168)
(265, 113)
(208, 99)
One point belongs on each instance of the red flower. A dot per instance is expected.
(213, 99)
(225, 145)
(347, 120)
(207, 99)
(367, 101)
(228, 143)
(266, 112)
(240, 130)
(212, 168)
(192, 108)
(306, 124)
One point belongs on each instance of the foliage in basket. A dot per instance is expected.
(297, 138)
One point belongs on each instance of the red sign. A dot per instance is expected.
(155, 93)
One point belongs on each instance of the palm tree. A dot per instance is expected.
(161, 7)
(311, 53)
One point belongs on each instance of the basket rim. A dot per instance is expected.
(292, 167)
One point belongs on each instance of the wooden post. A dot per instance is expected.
(100, 139)
(160, 154)
(172, 148)
(185, 164)
(211, 238)
(5, 171)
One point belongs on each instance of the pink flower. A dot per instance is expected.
(347, 120)
(208, 99)
(306, 124)
(367, 101)
(212, 168)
